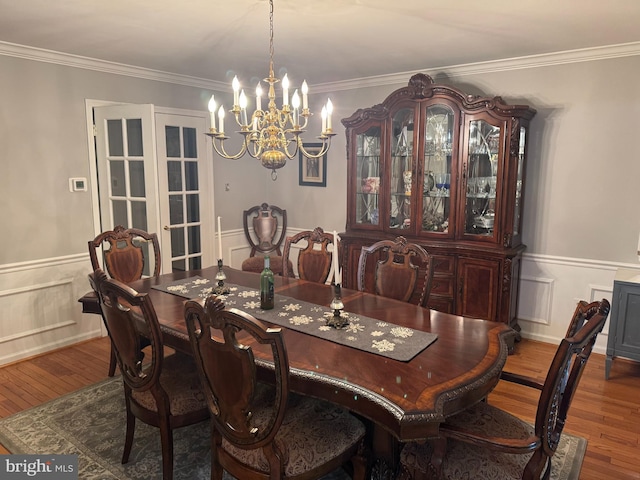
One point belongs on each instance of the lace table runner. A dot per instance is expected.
(364, 333)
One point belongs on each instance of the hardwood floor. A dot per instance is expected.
(607, 413)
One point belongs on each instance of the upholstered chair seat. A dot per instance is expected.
(312, 433)
(256, 265)
(462, 458)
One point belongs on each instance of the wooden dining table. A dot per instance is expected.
(402, 400)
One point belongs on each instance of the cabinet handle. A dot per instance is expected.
(461, 288)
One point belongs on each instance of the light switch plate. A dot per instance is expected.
(77, 184)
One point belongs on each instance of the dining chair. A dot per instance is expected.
(269, 224)
(261, 431)
(487, 442)
(314, 259)
(402, 270)
(126, 257)
(162, 391)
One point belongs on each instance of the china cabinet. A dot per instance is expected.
(445, 170)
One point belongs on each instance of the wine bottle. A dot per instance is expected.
(266, 286)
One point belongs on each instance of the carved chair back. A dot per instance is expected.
(233, 391)
(314, 260)
(403, 271)
(262, 431)
(128, 317)
(264, 220)
(127, 257)
(564, 376)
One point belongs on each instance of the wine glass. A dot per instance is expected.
(482, 186)
(440, 182)
(471, 186)
(447, 184)
(492, 186)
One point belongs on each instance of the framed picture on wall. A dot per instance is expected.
(312, 171)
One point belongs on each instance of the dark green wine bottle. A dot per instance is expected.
(266, 286)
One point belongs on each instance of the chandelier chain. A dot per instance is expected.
(271, 50)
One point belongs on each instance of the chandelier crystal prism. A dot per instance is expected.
(272, 135)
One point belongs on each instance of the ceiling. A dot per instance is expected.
(321, 40)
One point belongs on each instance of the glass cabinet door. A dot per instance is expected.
(436, 184)
(517, 211)
(368, 181)
(401, 168)
(482, 176)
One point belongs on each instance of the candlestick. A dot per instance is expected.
(219, 240)
(221, 288)
(305, 91)
(259, 97)
(337, 320)
(323, 114)
(329, 112)
(243, 108)
(212, 112)
(221, 118)
(337, 274)
(285, 90)
(235, 84)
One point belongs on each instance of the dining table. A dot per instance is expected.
(401, 400)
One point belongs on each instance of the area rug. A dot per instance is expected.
(90, 423)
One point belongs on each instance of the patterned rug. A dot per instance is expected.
(90, 423)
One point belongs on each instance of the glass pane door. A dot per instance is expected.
(126, 168)
(368, 172)
(401, 169)
(183, 181)
(436, 188)
(482, 176)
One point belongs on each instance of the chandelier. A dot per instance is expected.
(271, 135)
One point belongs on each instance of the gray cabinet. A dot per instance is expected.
(624, 326)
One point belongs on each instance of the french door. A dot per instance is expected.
(153, 174)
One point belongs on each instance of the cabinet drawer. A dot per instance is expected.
(442, 286)
(443, 264)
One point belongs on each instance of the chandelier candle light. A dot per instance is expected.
(271, 135)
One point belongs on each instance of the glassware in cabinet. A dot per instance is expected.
(483, 167)
(401, 168)
(437, 168)
(368, 177)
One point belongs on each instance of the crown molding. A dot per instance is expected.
(77, 61)
(516, 63)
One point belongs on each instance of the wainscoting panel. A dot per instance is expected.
(550, 288)
(39, 308)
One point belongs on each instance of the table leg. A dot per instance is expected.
(386, 452)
